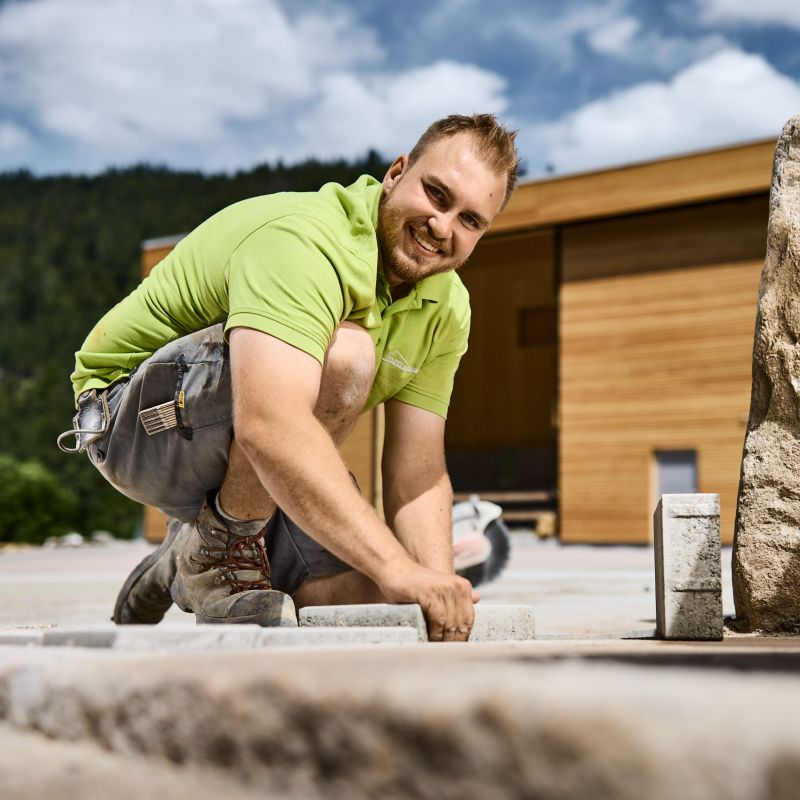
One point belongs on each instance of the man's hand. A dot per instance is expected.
(447, 601)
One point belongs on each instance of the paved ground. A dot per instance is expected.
(579, 591)
(593, 708)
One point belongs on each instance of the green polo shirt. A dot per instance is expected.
(293, 265)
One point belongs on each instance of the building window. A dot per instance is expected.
(676, 471)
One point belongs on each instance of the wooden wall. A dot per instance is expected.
(504, 389)
(657, 314)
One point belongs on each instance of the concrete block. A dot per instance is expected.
(688, 567)
(253, 637)
(88, 636)
(380, 615)
(208, 638)
(503, 623)
(21, 638)
(493, 623)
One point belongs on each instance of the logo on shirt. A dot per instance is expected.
(397, 359)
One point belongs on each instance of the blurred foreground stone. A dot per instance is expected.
(766, 561)
(422, 721)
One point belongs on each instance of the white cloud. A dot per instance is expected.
(217, 85)
(729, 97)
(625, 38)
(354, 113)
(126, 77)
(752, 12)
(614, 37)
(13, 138)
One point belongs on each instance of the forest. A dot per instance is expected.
(70, 248)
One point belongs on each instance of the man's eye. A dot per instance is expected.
(470, 222)
(436, 194)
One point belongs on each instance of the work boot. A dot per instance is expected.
(224, 576)
(144, 597)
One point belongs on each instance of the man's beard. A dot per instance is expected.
(409, 267)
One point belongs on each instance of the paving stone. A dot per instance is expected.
(379, 615)
(688, 567)
(503, 623)
(232, 637)
(89, 636)
(35, 767)
(21, 638)
(493, 623)
(180, 638)
(424, 722)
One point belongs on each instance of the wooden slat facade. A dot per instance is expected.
(503, 393)
(656, 325)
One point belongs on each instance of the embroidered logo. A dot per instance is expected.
(397, 359)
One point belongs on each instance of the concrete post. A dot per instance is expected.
(688, 567)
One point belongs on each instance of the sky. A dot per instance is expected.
(221, 85)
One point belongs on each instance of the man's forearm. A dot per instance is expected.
(419, 511)
(300, 466)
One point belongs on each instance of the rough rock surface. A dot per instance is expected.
(766, 562)
(407, 722)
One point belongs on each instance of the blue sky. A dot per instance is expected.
(225, 84)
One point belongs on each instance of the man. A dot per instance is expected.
(218, 390)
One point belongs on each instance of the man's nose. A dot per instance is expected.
(441, 225)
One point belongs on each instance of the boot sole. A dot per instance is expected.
(132, 579)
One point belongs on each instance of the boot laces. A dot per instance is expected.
(238, 553)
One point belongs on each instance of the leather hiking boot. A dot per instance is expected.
(144, 597)
(224, 577)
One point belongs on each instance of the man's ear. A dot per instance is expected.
(394, 172)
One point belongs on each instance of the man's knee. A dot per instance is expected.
(349, 368)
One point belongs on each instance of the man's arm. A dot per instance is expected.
(275, 387)
(417, 496)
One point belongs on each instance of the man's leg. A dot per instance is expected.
(347, 376)
(346, 380)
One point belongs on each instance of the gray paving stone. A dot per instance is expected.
(21, 638)
(503, 623)
(204, 638)
(232, 637)
(381, 615)
(688, 567)
(89, 636)
(493, 623)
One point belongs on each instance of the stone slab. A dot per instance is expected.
(35, 767)
(493, 623)
(503, 623)
(381, 615)
(22, 638)
(688, 567)
(431, 722)
(194, 638)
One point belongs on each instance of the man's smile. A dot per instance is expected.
(424, 243)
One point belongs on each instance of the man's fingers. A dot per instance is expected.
(436, 616)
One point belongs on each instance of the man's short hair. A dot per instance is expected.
(495, 143)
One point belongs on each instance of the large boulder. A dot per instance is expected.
(766, 558)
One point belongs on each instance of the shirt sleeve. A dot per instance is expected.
(282, 283)
(432, 386)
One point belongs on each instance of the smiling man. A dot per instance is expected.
(219, 389)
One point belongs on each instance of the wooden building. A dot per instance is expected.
(613, 318)
(609, 361)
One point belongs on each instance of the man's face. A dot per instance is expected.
(433, 213)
